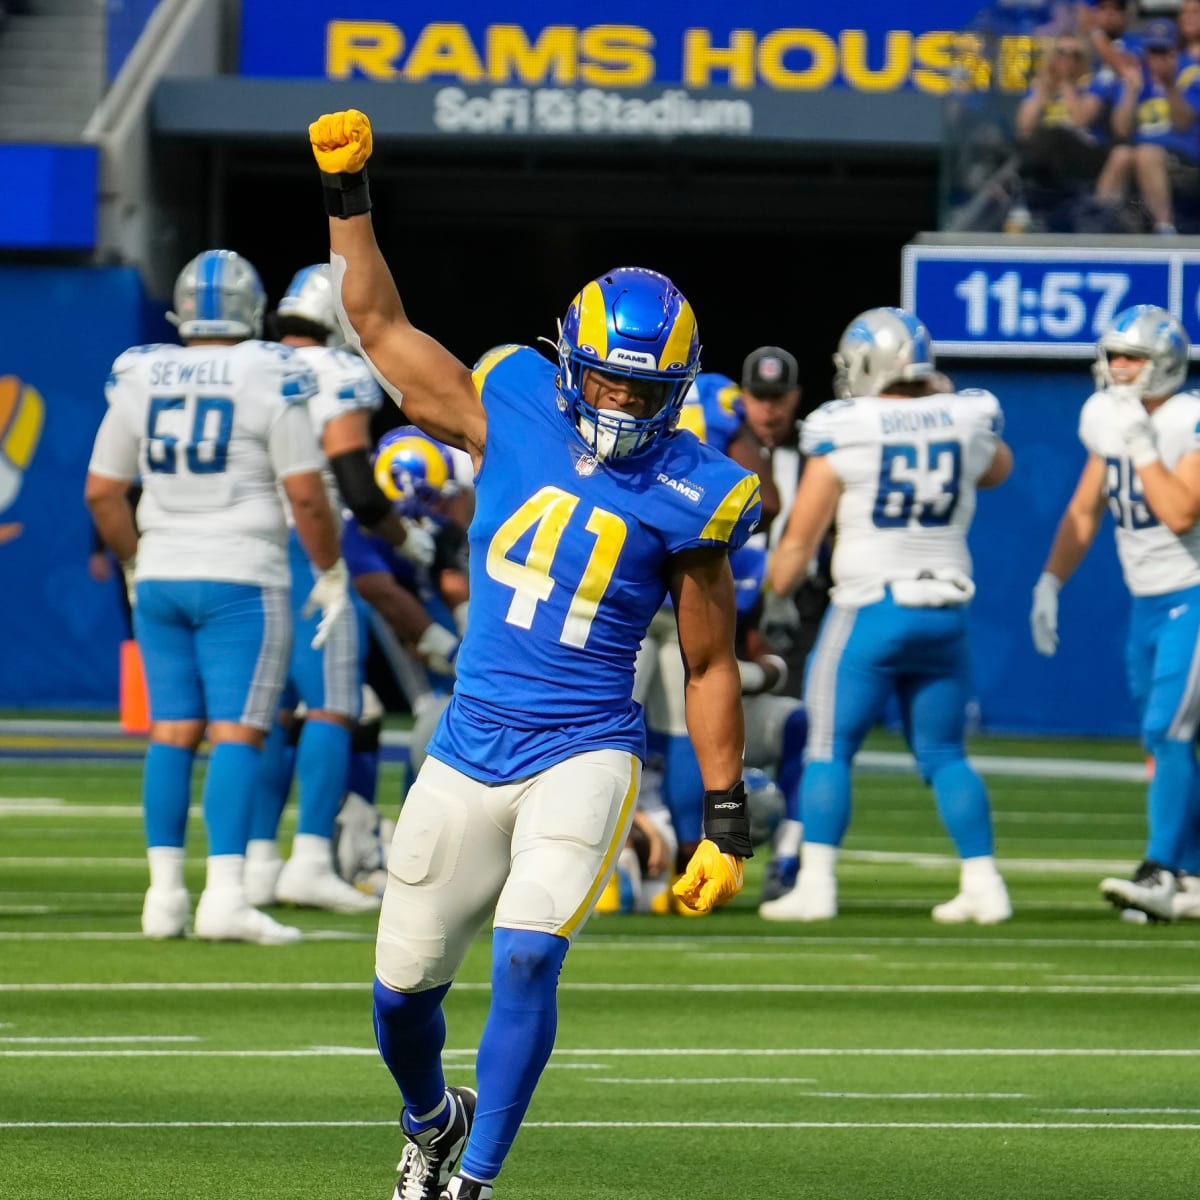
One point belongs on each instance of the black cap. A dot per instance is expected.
(769, 371)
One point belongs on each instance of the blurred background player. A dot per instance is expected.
(713, 411)
(212, 427)
(528, 791)
(898, 463)
(776, 729)
(412, 605)
(327, 680)
(1142, 435)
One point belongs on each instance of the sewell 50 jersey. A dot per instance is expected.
(209, 429)
(569, 561)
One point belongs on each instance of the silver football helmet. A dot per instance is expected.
(1149, 332)
(310, 297)
(881, 346)
(218, 295)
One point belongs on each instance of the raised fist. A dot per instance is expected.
(341, 141)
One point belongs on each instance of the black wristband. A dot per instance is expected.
(346, 195)
(727, 821)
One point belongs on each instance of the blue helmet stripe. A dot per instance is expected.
(300, 279)
(208, 288)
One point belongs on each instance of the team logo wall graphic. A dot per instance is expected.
(22, 415)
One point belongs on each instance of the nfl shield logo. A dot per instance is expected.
(585, 465)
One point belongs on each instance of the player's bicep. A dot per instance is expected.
(1090, 495)
(1187, 471)
(702, 590)
(815, 503)
(434, 390)
(347, 431)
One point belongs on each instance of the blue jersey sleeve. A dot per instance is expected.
(364, 553)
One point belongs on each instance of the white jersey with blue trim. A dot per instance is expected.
(908, 470)
(209, 429)
(344, 384)
(1154, 560)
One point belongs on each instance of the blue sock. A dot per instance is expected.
(825, 802)
(362, 776)
(791, 762)
(229, 795)
(1189, 855)
(683, 789)
(321, 765)
(410, 1031)
(517, 1039)
(963, 806)
(166, 793)
(275, 767)
(1168, 803)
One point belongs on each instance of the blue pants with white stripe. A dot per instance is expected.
(327, 680)
(1162, 658)
(213, 650)
(862, 658)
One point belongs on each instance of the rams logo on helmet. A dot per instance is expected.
(414, 471)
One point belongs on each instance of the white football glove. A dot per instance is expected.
(1043, 620)
(129, 570)
(780, 622)
(331, 595)
(418, 546)
(1137, 431)
(439, 648)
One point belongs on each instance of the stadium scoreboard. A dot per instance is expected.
(1040, 296)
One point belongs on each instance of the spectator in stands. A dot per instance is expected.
(1062, 126)
(1154, 122)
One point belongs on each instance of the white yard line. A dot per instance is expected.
(1013, 1126)
(1157, 989)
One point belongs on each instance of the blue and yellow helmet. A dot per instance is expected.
(414, 471)
(636, 324)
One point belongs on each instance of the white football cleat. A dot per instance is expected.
(165, 912)
(357, 847)
(259, 879)
(814, 898)
(985, 904)
(314, 885)
(1185, 904)
(1152, 890)
(226, 917)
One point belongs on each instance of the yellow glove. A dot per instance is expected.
(341, 141)
(711, 879)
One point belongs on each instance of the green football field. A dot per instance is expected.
(875, 1056)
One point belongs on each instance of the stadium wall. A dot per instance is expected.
(59, 631)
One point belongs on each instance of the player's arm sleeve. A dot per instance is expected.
(1089, 425)
(356, 483)
(291, 444)
(730, 522)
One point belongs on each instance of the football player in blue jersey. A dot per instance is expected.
(589, 510)
(418, 475)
